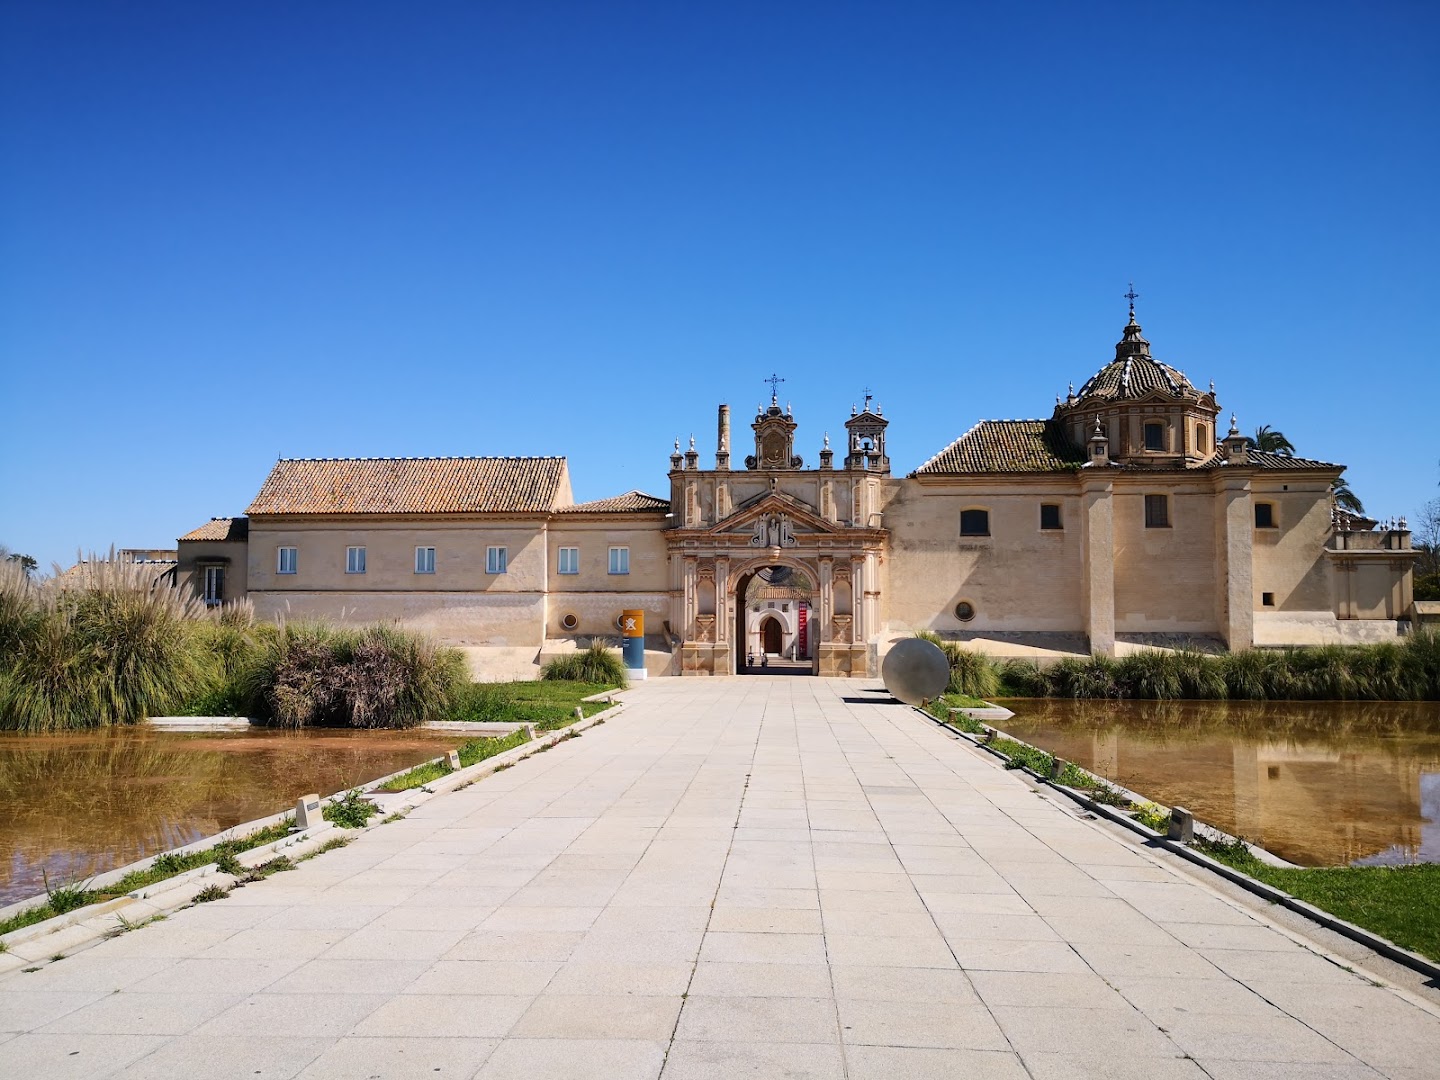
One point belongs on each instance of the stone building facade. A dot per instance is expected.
(1126, 518)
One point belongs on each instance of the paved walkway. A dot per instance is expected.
(764, 877)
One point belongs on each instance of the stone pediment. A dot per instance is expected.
(775, 520)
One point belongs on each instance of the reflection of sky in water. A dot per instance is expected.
(1429, 850)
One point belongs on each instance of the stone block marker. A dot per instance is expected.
(1182, 825)
(453, 757)
(308, 814)
(1057, 767)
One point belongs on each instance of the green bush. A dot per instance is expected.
(313, 673)
(596, 664)
(971, 673)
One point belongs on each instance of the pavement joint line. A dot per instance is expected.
(179, 890)
(690, 756)
(1368, 938)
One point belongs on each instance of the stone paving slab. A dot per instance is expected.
(735, 877)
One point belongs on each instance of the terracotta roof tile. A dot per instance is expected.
(221, 528)
(630, 502)
(1007, 446)
(467, 485)
(1263, 459)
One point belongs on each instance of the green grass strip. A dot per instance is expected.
(64, 899)
(471, 752)
(1396, 902)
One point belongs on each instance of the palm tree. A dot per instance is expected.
(1344, 497)
(1270, 440)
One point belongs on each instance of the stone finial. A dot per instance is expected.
(1212, 386)
(827, 440)
(677, 444)
(853, 410)
(1234, 426)
(692, 442)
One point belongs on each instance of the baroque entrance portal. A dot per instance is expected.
(777, 521)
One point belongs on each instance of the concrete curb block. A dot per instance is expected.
(1371, 940)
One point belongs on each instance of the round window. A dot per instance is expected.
(964, 611)
(569, 620)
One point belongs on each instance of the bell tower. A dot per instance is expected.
(774, 436)
(867, 439)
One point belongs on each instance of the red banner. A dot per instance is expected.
(802, 646)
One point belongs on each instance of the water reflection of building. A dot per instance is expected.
(1310, 799)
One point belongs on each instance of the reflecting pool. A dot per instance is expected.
(1318, 783)
(77, 805)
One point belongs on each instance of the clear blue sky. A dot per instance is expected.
(231, 232)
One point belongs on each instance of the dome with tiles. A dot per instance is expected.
(1134, 373)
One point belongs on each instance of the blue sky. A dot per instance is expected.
(232, 232)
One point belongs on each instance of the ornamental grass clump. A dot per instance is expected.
(107, 645)
(596, 664)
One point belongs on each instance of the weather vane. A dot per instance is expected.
(774, 381)
(1132, 296)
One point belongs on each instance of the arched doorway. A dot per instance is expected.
(773, 626)
(772, 636)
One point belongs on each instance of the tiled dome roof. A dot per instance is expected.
(1134, 372)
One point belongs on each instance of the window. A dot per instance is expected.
(964, 611)
(214, 585)
(286, 560)
(569, 560)
(1267, 599)
(620, 560)
(569, 620)
(1157, 511)
(495, 558)
(974, 522)
(1200, 438)
(1154, 435)
(1050, 516)
(354, 560)
(424, 560)
(1264, 515)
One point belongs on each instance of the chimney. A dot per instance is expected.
(722, 453)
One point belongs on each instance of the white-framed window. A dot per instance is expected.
(619, 560)
(287, 560)
(424, 560)
(354, 560)
(495, 560)
(214, 585)
(569, 560)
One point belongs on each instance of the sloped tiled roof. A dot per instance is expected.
(221, 528)
(1263, 459)
(457, 485)
(1007, 446)
(630, 502)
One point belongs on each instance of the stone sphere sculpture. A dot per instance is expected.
(915, 670)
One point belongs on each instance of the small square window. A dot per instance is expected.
(1267, 599)
(1264, 516)
(1050, 516)
(1154, 436)
(354, 560)
(495, 560)
(287, 559)
(569, 560)
(974, 522)
(424, 560)
(1157, 511)
(619, 560)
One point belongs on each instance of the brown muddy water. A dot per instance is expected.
(1318, 783)
(78, 805)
